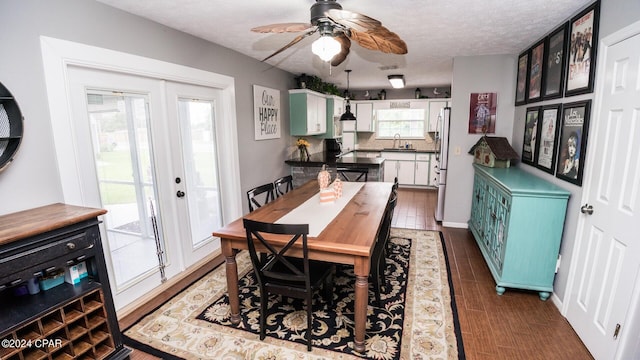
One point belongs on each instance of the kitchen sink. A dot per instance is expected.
(397, 149)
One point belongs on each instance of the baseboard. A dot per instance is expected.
(455, 225)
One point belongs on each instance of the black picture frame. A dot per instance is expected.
(573, 135)
(536, 67)
(547, 144)
(522, 87)
(581, 53)
(555, 54)
(531, 130)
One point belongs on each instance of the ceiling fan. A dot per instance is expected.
(337, 28)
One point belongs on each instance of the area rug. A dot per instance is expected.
(417, 319)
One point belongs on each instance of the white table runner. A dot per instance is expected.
(319, 215)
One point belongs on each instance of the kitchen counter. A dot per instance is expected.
(305, 170)
(397, 150)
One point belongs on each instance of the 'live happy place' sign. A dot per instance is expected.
(266, 112)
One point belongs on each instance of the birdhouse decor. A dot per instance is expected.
(493, 151)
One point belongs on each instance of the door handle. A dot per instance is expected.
(586, 209)
(180, 193)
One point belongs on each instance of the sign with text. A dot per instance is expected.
(266, 112)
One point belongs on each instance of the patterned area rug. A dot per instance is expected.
(417, 319)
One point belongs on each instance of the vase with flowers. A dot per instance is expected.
(302, 145)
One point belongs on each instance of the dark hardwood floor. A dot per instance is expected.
(516, 325)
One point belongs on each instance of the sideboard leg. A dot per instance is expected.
(544, 295)
(500, 290)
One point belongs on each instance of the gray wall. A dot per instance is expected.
(32, 179)
(476, 74)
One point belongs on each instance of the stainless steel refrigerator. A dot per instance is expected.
(442, 143)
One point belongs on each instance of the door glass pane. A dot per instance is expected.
(122, 152)
(197, 129)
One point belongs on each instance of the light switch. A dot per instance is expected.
(457, 150)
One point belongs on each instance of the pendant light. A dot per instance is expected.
(348, 115)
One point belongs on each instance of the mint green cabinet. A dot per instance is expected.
(517, 220)
(307, 112)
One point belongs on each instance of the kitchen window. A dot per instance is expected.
(409, 123)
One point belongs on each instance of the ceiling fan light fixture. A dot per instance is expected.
(397, 81)
(326, 47)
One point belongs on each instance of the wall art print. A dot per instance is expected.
(555, 62)
(521, 82)
(482, 113)
(573, 141)
(536, 65)
(266, 112)
(548, 138)
(582, 51)
(530, 136)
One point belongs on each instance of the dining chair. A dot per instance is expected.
(254, 195)
(284, 275)
(354, 174)
(283, 185)
(378, 258)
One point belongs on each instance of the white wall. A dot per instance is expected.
(32, 179)
(475, 74)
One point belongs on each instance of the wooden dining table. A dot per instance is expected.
(348, 239)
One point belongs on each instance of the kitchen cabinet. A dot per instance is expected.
(70, 321)
(335, 109)
(435, 108)
(401, 165)
(364, 117)
(423, 169)
(517, 220)
(307, 112)
(348, 141)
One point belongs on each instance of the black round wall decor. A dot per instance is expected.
(10, 127)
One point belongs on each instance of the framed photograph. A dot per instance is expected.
(583, 33)
(482, 113)
(521, 83)
(536, 61)
(530, 136)
(573, 141)
(555, 62)
(548, 138)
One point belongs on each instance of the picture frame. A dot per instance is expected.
(482, 113)
(266, 113)
(581, 53)
(555, 53)
(549, 130)
(531, 130)
(573, 141)
(536, 67)
(521, 81)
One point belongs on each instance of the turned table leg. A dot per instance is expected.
(231, 268)
(361, 270)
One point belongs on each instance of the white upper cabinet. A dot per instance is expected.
(436, 111)
(364, 117)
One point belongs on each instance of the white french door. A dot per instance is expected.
(147, 153)
(603, 306)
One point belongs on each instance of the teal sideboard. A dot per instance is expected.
(517, 220)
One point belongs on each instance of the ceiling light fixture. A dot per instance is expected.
(326, 47)
(348, 115)
(397, 81)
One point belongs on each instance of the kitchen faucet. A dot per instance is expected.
(396, 137)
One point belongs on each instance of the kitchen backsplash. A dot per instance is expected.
(369, 141)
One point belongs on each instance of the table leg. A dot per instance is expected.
(361, 270)
(232, 281)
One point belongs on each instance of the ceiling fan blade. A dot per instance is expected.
(293, 42)
(353, 20)
(345, 49)
(282, 28)
(380, 39)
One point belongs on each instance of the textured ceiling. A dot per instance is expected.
(435, 31)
